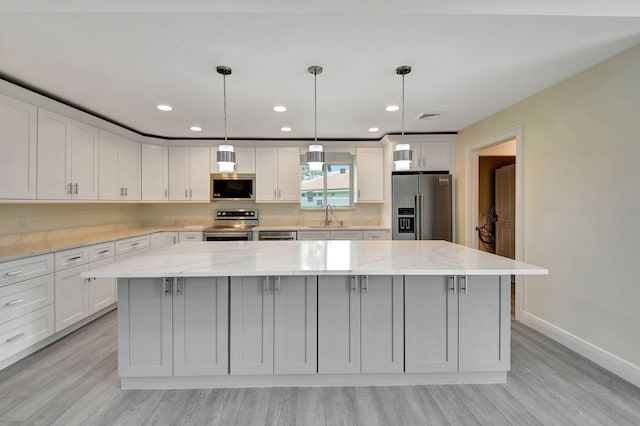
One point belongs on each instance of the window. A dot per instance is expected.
(333, 185)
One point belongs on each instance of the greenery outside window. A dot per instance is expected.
(333, 185)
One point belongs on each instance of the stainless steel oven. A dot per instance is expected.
(232, 225)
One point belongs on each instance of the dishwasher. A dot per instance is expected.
(277, 235)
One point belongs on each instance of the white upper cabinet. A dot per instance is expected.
(119, 168)
(431, 156)
(369, 166)
(245, 159)
(155, 172)
(18, 141)
(278, 174)
(67, 158)
(189, 173)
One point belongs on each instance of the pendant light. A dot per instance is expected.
(315, 155)
(225, 156)
(402, 155)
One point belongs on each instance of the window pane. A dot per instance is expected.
(311, 188)
(339, 185)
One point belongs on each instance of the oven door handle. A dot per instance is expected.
(234, 235)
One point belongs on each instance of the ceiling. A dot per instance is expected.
(470, 59)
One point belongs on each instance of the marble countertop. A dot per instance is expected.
(19, 246)
(30, 246)
(252, 258)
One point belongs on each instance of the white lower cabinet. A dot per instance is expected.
(24, 331)
(451, 323)
(273, 325)
(102, 291)
(431, 324)
(71, 296)
(189, 236)
(173, 327)
(360, 324)
(484, 304)
(200, 326)
(162, 239)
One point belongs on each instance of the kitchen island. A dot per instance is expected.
(313, 313)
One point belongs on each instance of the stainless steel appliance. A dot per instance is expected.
(277, 235)
(232, 225)
(232, 186)
(421, 204)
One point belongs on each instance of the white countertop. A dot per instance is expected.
(251, 258)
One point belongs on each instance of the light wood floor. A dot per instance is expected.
(75, 382)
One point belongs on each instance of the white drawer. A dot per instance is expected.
(346, 235)
(131, 244)
(101, 251)
(24, 269)
(73, 257)
(24, 297)
(313, 235)
(133, 253)
(375, 235)
(190, 236)
(25, 331)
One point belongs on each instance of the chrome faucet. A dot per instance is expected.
(327, 219)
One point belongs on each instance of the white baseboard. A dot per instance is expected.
(605, 359)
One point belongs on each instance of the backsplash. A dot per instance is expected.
(59, 218)
(270, 214)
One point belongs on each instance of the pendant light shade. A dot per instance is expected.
(315, 155)
(225, 156)
(402, 156)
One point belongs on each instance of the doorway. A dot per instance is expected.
(484, 227)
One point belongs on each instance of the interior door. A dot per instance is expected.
(506, 211)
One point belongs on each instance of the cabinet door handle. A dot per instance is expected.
(166, 193)
(12, 273)
(463, 278)
(452, 281)
(121, 191)
(279, 194)
(190, 193)
(166, 286)
(365, 283)
(14, 302)
(126, 191)
(178, 283)
(17, 336)
(354, 285)
(275, 194)
(265, 284)
(75, 188)
(70, 188)
(277, 284)
(186, 193)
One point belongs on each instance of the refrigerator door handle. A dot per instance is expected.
(418, 231)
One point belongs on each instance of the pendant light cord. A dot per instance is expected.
(224, 96)
(315, 107)
(402, 104)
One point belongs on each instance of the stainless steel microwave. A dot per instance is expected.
(232, 186)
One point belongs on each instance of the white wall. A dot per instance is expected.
(581, 205)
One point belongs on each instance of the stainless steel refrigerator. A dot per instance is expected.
(421, 205)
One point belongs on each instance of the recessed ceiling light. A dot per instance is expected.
(285, 129)
(196, 128)
(279, 108)
(392, 108)
(373, 129)
(164, 107)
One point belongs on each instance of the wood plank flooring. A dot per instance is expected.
(75, 382)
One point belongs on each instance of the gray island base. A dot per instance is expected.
(313, 313)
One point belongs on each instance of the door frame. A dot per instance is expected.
(472, 159)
